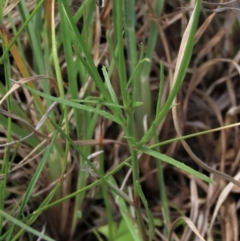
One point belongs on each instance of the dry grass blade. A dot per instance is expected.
(18, 84)
(220, 3)
(213, 42)
(190, 225)
(229, 211)
(28, 158)
(14, 51)
(35, 130)
(194, 209)
(47, 138)
(207, 115)
(204, 26)
(9, 5)
(225, 192)
(222, 6)
(182, 52)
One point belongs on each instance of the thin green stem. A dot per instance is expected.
(143, 88)
(106, 200)
(182, 65)
(118, 5)
(61, 91)
(32, 218)
(161, 182)
(6, 160)
(130, 20)
(34, 41)
(135, 174)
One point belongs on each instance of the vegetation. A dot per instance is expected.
(119, 120)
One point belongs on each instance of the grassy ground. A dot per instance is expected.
(119, 120)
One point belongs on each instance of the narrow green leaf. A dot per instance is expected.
(109, 86)
(149, 214)
(184, 56)
(125, 213)
(78, 106)
(176, 163)
(24, 226)
(35, 179)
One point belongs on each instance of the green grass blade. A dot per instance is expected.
(34, 180)
(130, 19)
(125, 212)
(176, 163)
(20, 224)
(6, 160)
(78, 106)
(38, 6)
(109, 86)
(82, 9)
(82, 48)
(118, 6)
(149, 214)
(32, 217)
(159, 163)
(185, 57)
(34, 40)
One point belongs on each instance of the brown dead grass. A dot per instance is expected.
(208, 99)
